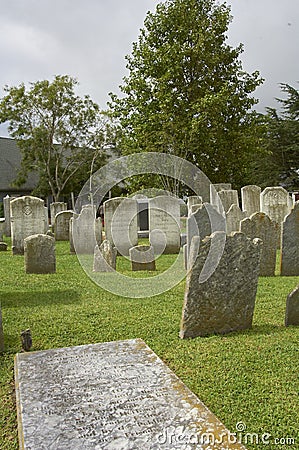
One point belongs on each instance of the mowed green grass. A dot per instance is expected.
(250, 377)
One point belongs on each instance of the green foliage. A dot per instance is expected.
(280, 165)
(186, 92)
(59, 133)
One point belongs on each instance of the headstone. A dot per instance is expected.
(72, 246)
(104, 257)
(259, 225)
(164, 224)
(228, 198)
(143, 220)
(62, 225)
(225, 301)
(39, 254)
(98, 230)
(233, 218)
(1, 333)
(289, 264)
(142, 258)
(121, 223)
(83, 231)
(27, 218)
(2, 227)
(251, 201)
(193, 200)
(55, 208)
(3, 246)
(214, 189)
(112, 395)
(46, 227)
(292, 308)
(6, 208)
(274, 202)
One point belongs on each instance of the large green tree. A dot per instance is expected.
(280, 164)
(61, 136)
(186, 92)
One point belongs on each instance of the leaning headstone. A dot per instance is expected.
(27, 218)
(233, 218)
(62, 225)
(55, 208)
(121, 223)
(164, 224)
(6, 207)
(251, 201)
(289, 264)
(292, 308)
(83, 231)
(142, 258)
(111, 395)
(228, 197)
(104, 257)
(3, 246)
(214, 189)
(39, 254)
(1, 333)
(259, 225)
(225, 301)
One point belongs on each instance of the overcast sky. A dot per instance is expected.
(88, 39)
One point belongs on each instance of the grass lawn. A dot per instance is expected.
(250, 377)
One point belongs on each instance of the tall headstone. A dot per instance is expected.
(39, 254)
(83, 231)
(233, 218)
(289, 264)
(27, 218)
(251, 201)
(1, 333)
(292, 308)
(225, 301)
(228, 198)
(121, 223)
(259, 225)
(62, 225)
(216, 188)
(6, 207)
(142, 258)
(164, 224)
(104, 257)
(55, 208)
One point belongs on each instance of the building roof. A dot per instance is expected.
(10, 163)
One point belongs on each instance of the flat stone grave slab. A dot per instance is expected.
(114, 395)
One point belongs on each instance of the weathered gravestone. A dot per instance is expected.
(292, 308)
(192, 201)
(121, 223)
(1, 333)
(228, 197)
(275, 203)
(142, 258)
(251, 202)
(225, 301)
(83, 231)
(289, 263)
(104, 257)
(113, 395)
(2, 227)
(27, 218)
(259, 225)
(6, 208)
(62, 225)
(164, 224)
(39, 254)
(233, 218)
(214, 190)
(55, 208)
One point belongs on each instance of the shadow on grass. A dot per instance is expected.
(38, 298)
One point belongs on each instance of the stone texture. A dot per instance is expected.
(233, 218)
(83, 231)
(194, 208)
(27, 218)
(39, 254)
(225, 301)
(2, 227)
(6, 208)
(259, 225)
(104, 257)
(289, 264)
(193, 200)
(46, 213)
(251, 202)
(109, 396)
(121, 223)
(3, 246)
(292, 308)
(228, 197)
(55, 208)
(142, 258)
(164, 224)
(62, 225)
(1, 333)
(214, 189)
(275, 203)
